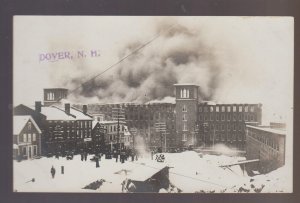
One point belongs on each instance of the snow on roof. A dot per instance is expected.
(111, 122)
(268, 129)
(20, 122)
(55, 113)
(79, 115)
(94, 123)
(144, 172)
(185, 84)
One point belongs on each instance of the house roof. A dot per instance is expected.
(55, 113)
(20, 122)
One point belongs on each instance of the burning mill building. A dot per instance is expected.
(188, 121)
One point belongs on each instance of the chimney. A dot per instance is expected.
(38, 106)
(84, 109)
(67, 108)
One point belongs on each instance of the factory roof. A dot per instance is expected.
(267, 129)
(79, 114)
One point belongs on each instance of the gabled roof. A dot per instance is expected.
(19, 122)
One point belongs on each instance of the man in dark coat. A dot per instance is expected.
(97, 161)
(52, 171)
(85, 155)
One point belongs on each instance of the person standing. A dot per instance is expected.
(52, 171)
(97, 162)
(85, 155)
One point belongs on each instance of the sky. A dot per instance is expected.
(232, 59)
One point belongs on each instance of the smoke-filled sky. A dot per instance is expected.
(232, 59)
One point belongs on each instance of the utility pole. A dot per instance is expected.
(118, 131)
(214, 137)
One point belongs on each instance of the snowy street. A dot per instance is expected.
(188, 173)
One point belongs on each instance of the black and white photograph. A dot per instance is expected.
(153, 104)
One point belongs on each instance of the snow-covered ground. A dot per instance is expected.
(188, 173)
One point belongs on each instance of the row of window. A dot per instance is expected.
(223, 127)
(50, 96)
(220, 137)
(27, 138)
(234, 117)
(226, 108)
(114, 128)
(79, 124)
(271, 142)
(34, 150)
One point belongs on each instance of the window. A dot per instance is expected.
(223, 108)
(184, 137)
(240, 127)
(184, 109)
(217, 109)
(184, 117)
(217, 117)
(223, 117)
(29, 138)
(240, 108)
(211, 109)
(211, 117)
(228, 117)
(29, 125)
(228, 127)
(200, 117)
(234, 109)
(24, 137)
(234, 117)
(184, 93)
(184, 127)
(206, 109)
(206, 117)
(228, 108)
(200, 109)
(246, 108)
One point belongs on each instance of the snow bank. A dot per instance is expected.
(189, 173)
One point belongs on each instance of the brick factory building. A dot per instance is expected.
(266, 143)
(186, 122)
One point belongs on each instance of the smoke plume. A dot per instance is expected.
(178, 55)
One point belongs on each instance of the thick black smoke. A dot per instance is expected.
(178, 55)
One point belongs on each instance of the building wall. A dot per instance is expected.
(98, 136)
(26, 140)
(266, 146)
(225, 123)
(62, 135)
